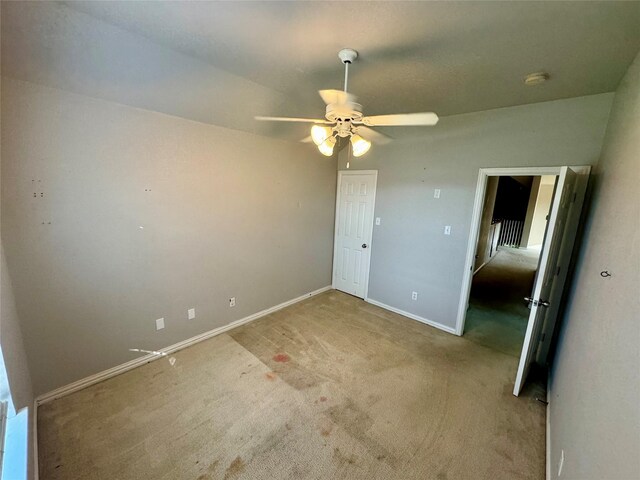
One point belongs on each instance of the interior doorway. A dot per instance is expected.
(556, 249)
(513, 222)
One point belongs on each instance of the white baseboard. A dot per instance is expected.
(480, 268)
(486, 263)
(112, 372)
(412, 316)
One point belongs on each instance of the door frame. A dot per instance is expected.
(474, 232)
(341, 174)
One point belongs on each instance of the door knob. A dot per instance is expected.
(364, 245)
(537, 303)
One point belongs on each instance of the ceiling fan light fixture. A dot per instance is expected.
(359, 145)
(344, 118)
(319, 134)
(326, 147)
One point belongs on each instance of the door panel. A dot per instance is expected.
(562, 265)
(354, 228)
(551, 273)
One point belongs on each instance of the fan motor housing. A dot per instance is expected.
(346, 111)
(343, 114)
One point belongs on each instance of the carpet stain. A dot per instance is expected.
(281, 358)
(235, 469)
(342, 458)
(270, 376)
(323, 399)
(207, 476)
(357, 423)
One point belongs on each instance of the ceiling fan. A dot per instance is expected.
(344, 118)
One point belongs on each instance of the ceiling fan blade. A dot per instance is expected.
(371, 135)
(307, 139)
(401, 119)
(293, 119)
(336, 96)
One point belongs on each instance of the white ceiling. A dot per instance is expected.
(447, 57)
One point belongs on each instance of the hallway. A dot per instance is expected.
(497, 315)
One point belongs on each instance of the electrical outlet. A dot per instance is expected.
(377, 220)
(232, 302)
(191, 313)
(436, 193)
(159, 323)
(414, 295)
(447, 230)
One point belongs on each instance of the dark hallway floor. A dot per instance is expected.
(497, 315)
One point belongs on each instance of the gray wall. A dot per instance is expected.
(485, 237)
(540, 213)
(14, 356)
(595, 386)
(223, 213)
(531, 208)
(409, 250)
(13, 352)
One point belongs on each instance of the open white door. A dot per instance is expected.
(353, 231)
(553, 264)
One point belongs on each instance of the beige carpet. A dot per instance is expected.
(329, 388)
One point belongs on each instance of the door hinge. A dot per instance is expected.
(575, 195)
(542, 337)
(558, 270)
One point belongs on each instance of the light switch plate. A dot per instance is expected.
(191, 313)
(159, 323)
(447, 230)
(377, 220)
(436, 193)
